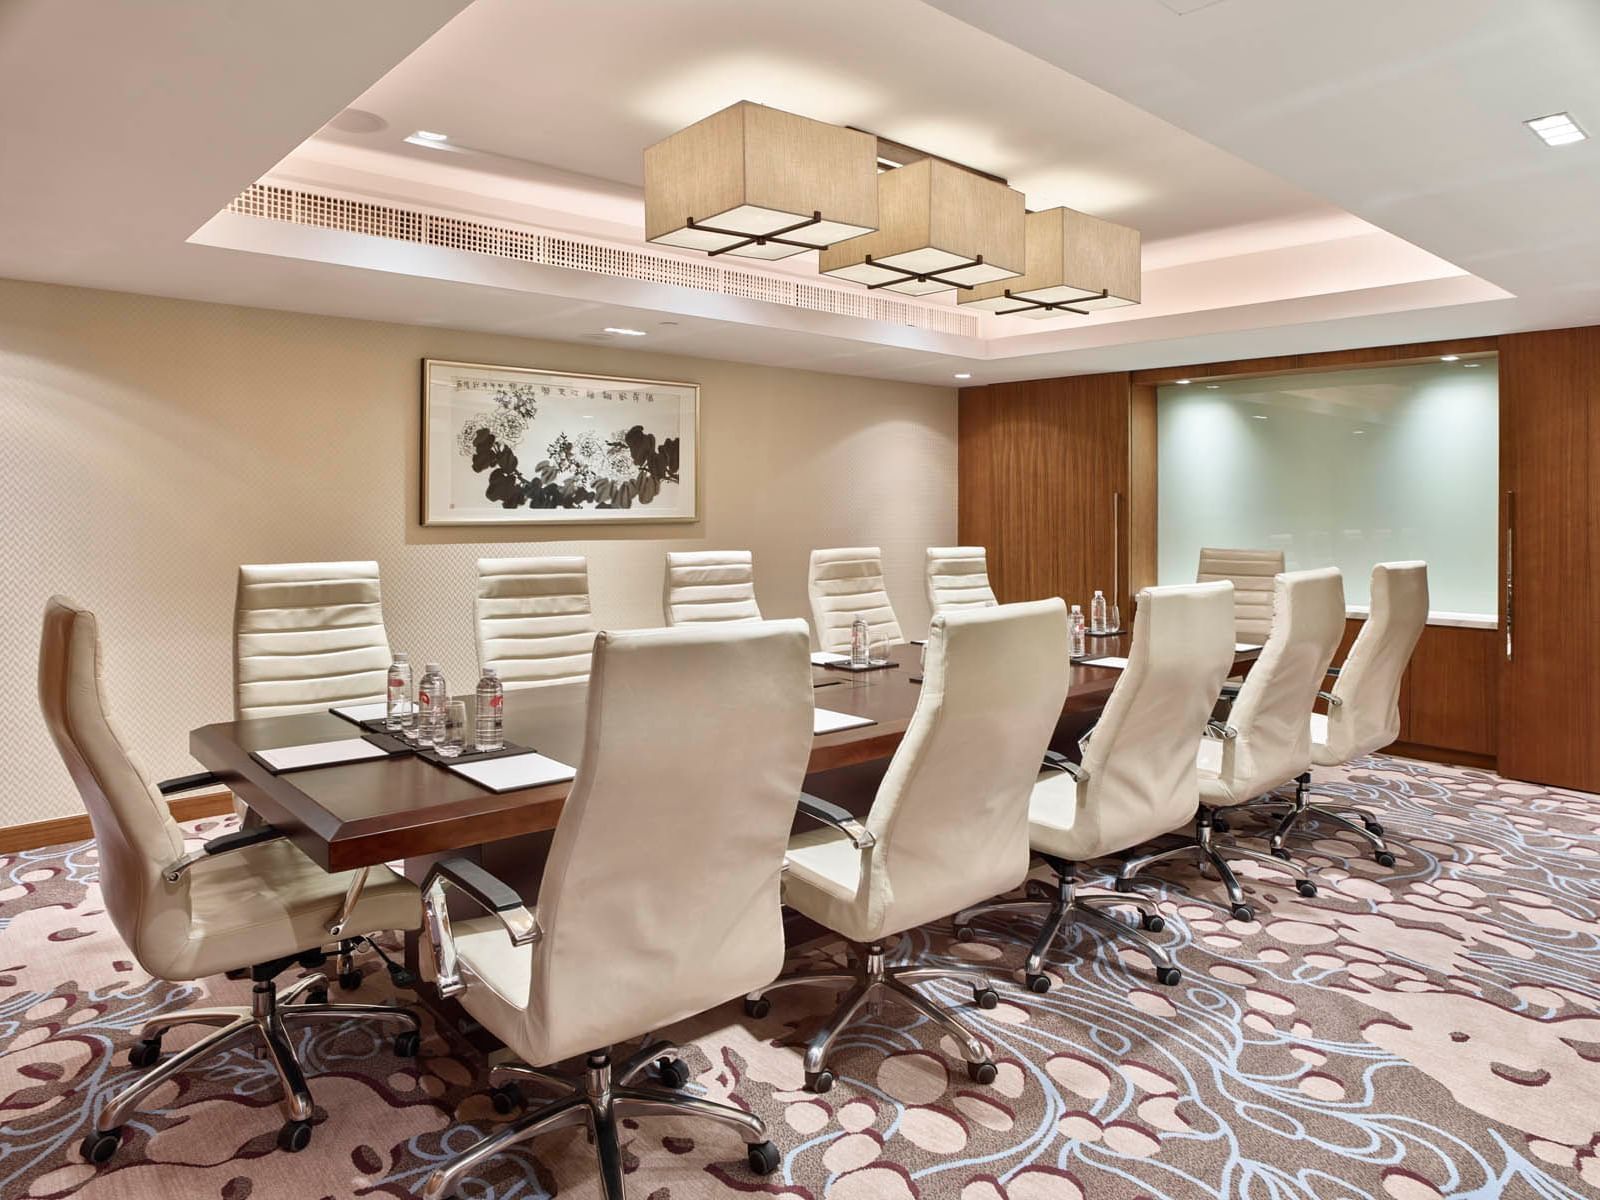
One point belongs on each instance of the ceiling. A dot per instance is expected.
(1306, 177)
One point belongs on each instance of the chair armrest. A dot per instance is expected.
(1223, 733)
(187, 783)
(839, 818)
(1083, 739)
(493, 895)
(237, 840)
(1230, 691)
(1056, 761)
(1333, 701)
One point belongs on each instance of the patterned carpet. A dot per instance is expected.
(1430, 1031)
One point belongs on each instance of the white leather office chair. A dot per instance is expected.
(1252, 573)
(245, 900)
(1364, 706)
(307, 636)
(958, 577)
(709, 585)
(1138, 779)
(843, 584)
(696, 746)
(533, 620)
(1267, 739)
(949, 825)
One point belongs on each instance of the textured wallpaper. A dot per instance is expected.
(149, 446)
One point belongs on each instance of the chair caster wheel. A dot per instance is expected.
(506, 1098)
(819, 1081)
(1375, 829)
(407, 1043)
(1123, 885)
(349, 981)
(672, 1073)
(986, 998)
(963, 933)
(1038, 984)
(145, 1053)
(99, 1145)
(984, 1072)
(1384, 858)
(1306, 888)
(1221, 824)
(401, 977)
(1281, 853)
(1168, 976)
(762, 1157)
(317, 996)
(757, 1008)
(1243, 912)
(1154, 922)
(294, 1136)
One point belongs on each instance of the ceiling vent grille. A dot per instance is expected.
(275, 203)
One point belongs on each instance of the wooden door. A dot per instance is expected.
(1044, 486)
(1550, 521)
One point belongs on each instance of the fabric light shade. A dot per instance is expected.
(760, 183)
(938, 227)
(1073, 259)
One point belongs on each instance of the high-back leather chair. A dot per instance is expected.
(846, 583)
(949, 824)
(1364, 705)
(308, 636)
(243, 900)
(958, 577)
(533, 619)
(696, 744)
(1266, 741)
(1137, 779)
(709, 585)
(1252, 573)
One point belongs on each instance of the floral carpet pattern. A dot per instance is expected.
(1427, 1031)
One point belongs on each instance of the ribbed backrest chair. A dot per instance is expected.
(1252, 573)
(844, 583)
(709, 585)
(958, 577)
(533, 619)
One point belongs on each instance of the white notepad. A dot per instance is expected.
(822, 658)
(361, 712)
(825, 720)
(1241, 647)
(514, 772)
(1116, 663)
(320, 754)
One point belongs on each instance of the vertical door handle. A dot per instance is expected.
(1116, 550)
(1511, 498)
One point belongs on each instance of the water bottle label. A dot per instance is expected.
(422, 697)
(496, 701)
(396, 682)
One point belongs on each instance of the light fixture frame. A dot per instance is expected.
(1069, 252)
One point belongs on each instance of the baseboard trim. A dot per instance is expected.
(38, 834)
(1454, 758)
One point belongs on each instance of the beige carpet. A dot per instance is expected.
(1428, 1031)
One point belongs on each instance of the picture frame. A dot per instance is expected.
(527, 446)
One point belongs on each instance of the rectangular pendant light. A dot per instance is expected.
(939, 227)
(760, 183)
(1076, 264)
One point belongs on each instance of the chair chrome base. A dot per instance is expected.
(268, 1019)
(869, 976)
(1300, 805)
(1068, 906)
(1215, 855)
(598, 1099)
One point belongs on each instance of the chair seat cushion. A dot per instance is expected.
(271, 901)
(1208, 760)
(824, 881)
(1320, 754)
(1053, 824)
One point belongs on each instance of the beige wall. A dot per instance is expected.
(150, 446)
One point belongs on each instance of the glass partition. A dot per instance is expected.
(1343, 468)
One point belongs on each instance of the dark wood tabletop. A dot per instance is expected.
(366, 813)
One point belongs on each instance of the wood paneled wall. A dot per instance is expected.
(1043, 482)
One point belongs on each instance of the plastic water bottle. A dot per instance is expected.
(431, 700)
(1097, 613)
(1079, 646)
(491, 718)
(399, 715)
(858, 642)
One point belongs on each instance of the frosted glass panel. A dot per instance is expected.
(1345, 469)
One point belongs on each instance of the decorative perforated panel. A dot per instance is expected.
(275, 203)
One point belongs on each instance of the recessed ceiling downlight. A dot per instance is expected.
(1558, 129)
(620, 331)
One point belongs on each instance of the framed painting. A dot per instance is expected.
(516, 446)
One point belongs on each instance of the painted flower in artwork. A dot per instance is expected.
(587, 469)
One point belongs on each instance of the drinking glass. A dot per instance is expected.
(450, 744)
(878, 653)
